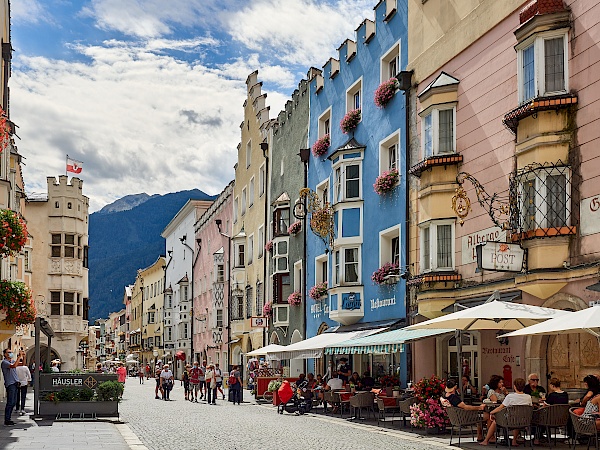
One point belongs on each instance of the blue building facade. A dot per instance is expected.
(369, 227)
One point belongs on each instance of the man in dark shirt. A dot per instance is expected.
(451, 398)
(344, 371)
(11, 382)
(533, 387)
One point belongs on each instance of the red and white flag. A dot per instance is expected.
(73, 165)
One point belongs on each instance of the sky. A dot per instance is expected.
(148, 94)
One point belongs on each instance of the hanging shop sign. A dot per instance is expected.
(500, 256)
(259, 322)
(470, 242)
(351, 301)
(590, 215)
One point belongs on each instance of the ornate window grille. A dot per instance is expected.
(248, 302)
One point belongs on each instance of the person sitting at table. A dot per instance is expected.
(592, 410)
(467, 387)
(355, 380)
(335, 383)
(367, 381)
(451, 398)
(533, 387)
(513, 399)
(497, 391)
(556, 395)
(593, 389)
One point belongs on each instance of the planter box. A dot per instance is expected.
(101, 409)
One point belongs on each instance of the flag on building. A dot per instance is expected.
(73, 165)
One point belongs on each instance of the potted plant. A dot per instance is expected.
(269, 246)
(295, 228)
(295, 298)
(386, 274)
(350, 121)
(386, 182)
(267, 309)
(16, 302)
(103, 401)
(387, 384)
(318, 291)
(13, 233)
(385, 92)
(428, 412)
(321, 145)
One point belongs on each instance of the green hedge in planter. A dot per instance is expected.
(109, 391)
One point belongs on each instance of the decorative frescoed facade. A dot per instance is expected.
(211, 280)
(357, 174)
(503, 145)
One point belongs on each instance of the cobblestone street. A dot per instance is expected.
(186, 425)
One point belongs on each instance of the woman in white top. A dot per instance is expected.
(166, 382)
(211, 385)
(497, 391)
(24, 378)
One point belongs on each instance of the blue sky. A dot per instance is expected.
(148, 93)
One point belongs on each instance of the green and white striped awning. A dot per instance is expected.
(388, 342)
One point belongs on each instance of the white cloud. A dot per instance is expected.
(298, 31)
(139, 121)
(30, 11)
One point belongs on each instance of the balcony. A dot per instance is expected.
(346, 305)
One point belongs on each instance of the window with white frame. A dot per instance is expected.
(261, 241)
(169, 333)
(236, 205)
(240, 255)
(219, 318)
(185, 331)
(323, 192)
(390, 63)
(438, 131)
(250, 255)
(347, 265)
(151, 317)
(347, 181)
(389, 246)
(27, 262)
(546, 199)
(321, 269)
(298, 275)
(281, 220)
(388, 153)
(542, 65)
(280, 256)
(251, 192)
(325, 123)
(244, 201)
(354, 96)
(248, 153)
(220, 273)
(261, 180)
(437, 245)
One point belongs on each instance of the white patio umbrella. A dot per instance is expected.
(271, 348)
(585, 320)
(493, 315)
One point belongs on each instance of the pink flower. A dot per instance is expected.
(350, 121)
(321, 145)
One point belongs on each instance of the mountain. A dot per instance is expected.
(123, 241)
(126, 203)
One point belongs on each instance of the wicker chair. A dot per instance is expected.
(363, 400)
(383, 410)
(550, 417)
(404, 406)
(584, 426)
(516, 417)
(328, 398)
(337, 400)
(462, 418)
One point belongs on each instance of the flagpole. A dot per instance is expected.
(66, 164)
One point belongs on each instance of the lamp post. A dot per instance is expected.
(265, 148)
(304, 157)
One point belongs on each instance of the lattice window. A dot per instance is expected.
(248, 302)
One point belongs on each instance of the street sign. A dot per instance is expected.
(500, 257)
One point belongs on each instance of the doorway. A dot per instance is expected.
(571, 357)
(470, 356)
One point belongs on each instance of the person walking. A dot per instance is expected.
(211, 385)
(219, 379)
(24, 378)
(166, 381)
(158, 385)
(185, 378)
(11, 382)
(122, 376)
(202, 379)
(235, 385)
(141, 374)
(194, 382)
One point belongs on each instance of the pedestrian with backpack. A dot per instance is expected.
(235, 385)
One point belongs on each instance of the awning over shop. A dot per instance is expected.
(388, 342)
(313, 347)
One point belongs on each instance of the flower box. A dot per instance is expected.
(385, 92)
(16, 302)
(389, 273)
(350, 121)
(102, 408)
(269, 246)
(295, 298)
(321, 145)
(13, 233)
(386, 182)
(267, 309)
(295, 228)
(318, 291)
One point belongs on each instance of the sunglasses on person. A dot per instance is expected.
(534, 379)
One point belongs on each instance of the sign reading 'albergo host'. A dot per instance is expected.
(57, 381)
(500, 256)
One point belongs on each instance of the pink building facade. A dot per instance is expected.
(517, 112)
(211, 280)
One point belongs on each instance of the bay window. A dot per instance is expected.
(437, 245)
(347, 265)
(438, 132)
(347, 182)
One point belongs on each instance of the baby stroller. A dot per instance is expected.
(292, 400)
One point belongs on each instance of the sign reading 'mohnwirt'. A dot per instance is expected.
(57, 381)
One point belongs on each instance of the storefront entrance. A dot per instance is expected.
(470, 358)
(571, 357)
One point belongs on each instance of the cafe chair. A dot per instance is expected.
(584, 426)
(363, 400)
(462, 418)
(550, 417)
(514, 418)
(328, 399)
(404, 406)
(383, 408)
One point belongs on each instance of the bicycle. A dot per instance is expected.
(268, 396)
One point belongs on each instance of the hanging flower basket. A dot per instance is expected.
(16, 302)
(386, 182)
(295, 298)
(350, 121)
(384, 273)
(13, 232)
(267, 309)
(269, 246)
(385, 92)
(295, 228)
(4, 130)
(318, 291)
(321, 145)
